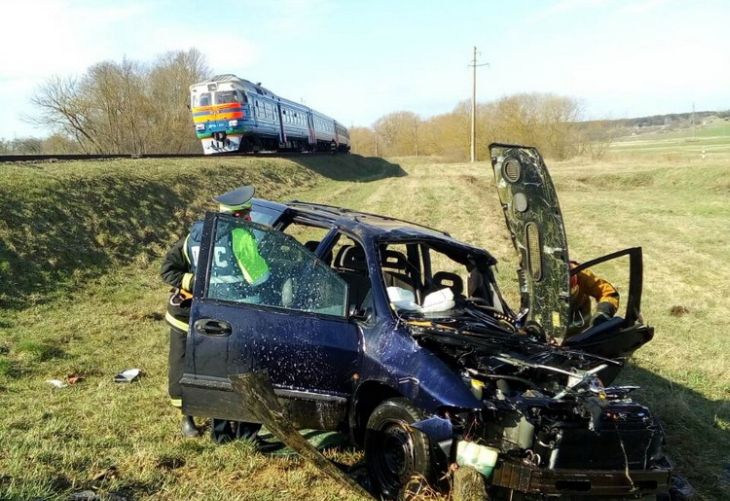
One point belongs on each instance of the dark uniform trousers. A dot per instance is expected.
(178, 316)
(176, 364)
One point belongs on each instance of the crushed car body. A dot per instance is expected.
(398, 335)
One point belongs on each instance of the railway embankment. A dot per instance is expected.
(65, 222)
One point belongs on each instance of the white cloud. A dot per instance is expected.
(52, 36)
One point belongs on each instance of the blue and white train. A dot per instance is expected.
(232, 114)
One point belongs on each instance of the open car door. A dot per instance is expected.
(619, 337)
(284, 313)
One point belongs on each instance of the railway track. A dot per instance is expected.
(58, 158)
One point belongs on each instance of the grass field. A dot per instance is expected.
(80, 247)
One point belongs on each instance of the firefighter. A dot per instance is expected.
(178, 270)
(585, 285)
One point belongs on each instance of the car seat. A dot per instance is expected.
(396, 271)
(442, 279)
(351, 265)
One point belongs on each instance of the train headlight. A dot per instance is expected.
(199, 126)
(233, 123)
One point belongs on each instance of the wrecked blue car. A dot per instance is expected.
(398, 335)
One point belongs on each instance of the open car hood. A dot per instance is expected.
(533, 217)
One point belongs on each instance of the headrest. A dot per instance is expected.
(450, 280)
(393, 259)
(312, 245)
(353, 258)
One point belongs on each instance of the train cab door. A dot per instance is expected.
(310, 126)
(255, 110)
(282, 130)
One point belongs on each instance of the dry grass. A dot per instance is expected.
(123, 439)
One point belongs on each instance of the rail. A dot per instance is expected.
(57, 158)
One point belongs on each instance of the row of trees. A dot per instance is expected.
(550, 122)
(125, 107)
(129, 107)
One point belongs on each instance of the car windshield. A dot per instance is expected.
(426, 278)
(257, 265)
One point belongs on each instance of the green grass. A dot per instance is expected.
(86, 300)
(705, 141)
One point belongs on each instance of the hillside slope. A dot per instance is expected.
(64, 222)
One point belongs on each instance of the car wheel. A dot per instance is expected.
(224, 431)
(396, 453)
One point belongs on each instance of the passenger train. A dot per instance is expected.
(232, 114)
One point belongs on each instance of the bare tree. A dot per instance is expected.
(62, 106)
(364, 141)
(398, 133)
(126, 107)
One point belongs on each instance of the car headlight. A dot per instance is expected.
(199, 126)
(233, 123)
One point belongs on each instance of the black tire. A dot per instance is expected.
(224, 431)
(395, 453)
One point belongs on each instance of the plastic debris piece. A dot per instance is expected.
(56, 383)
(127, 376)
(85, 496)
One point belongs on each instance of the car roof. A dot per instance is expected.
(369, 226)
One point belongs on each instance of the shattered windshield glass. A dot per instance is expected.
(254, 264)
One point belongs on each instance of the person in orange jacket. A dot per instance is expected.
(585, 285)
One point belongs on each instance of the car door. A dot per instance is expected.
(289, 320)
(531, 210)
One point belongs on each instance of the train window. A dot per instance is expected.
(226, 96)
(204, 99)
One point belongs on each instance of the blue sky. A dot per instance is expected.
(359, 60)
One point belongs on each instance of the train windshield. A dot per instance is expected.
(202, 99)
(228, 96)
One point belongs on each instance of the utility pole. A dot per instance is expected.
(474, 105)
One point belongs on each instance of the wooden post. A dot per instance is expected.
(258, 397)
(468, 485)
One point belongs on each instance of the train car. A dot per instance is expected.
(232, 114)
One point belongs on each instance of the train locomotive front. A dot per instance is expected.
(232, 114)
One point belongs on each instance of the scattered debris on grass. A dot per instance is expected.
(56, 383)
(127, 375)
(85, 496)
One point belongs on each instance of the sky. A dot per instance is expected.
(360, 60)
